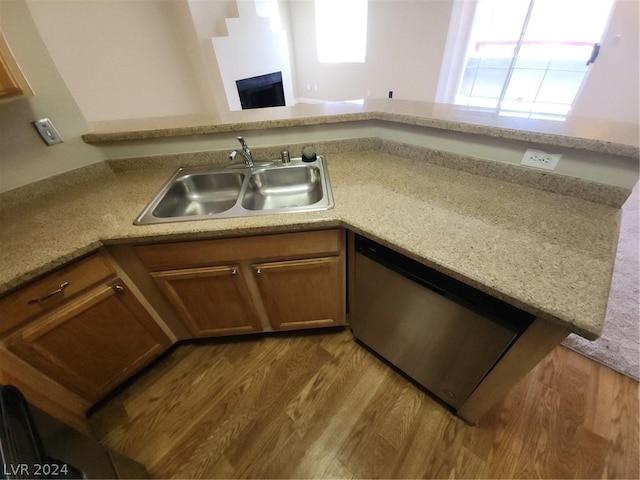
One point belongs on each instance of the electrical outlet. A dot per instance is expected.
(540, 159)
(47, 131)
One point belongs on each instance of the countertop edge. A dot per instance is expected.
(467, 127)
(337, 222)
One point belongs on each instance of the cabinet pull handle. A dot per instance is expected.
(49, 295)
(118, 288)
(234, 271)
(258, 271)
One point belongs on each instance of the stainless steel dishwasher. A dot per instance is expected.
(441, 332)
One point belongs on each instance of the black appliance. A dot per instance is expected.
(35, 445)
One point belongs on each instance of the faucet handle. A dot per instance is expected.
(246, 153)
(232, 155)
(244, 145)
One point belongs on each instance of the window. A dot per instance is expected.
(341, 30)
(529, 57)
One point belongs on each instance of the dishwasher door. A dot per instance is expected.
(440, 342)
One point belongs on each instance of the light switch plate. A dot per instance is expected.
(47, 131)
(540, 159)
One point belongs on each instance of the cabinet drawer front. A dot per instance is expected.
(228, 250)
(44, 294)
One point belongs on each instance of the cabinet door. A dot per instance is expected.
(8, 86)
(212, 301)
(305, 293)
(11, 78)
(94, 342)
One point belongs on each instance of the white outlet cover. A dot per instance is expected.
(540, 159)
(47, 131)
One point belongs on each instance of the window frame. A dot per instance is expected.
(455, 59)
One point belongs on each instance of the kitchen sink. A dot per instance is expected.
(200, 194)
(273, 189)
(204, 193)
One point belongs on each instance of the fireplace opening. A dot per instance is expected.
(261, 91)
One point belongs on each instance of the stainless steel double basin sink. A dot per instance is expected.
(203, 193)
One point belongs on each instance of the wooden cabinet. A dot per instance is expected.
(12, 82)
(72, 336)
(8, 85)
(211, 301)
(251, 284)
(89, 333)
(49, 292)
(302, 293)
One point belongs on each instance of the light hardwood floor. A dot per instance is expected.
(321, 405)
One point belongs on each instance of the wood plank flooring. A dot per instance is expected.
(322, 406)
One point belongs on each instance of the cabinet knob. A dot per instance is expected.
(118, 288)
(258, 271)
(49, 295)
(234, 271)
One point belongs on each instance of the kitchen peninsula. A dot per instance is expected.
(542, 242)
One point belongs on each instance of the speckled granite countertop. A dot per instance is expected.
(608, 137)
(546, 253)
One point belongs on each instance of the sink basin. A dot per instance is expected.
(202, 193)
(283, 188)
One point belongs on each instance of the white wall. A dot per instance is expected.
(251, 49)
(611, 91)
(137, 58)
(208, 19)
(124, 59)
(143, 58)
(405, 44)
(24, 158)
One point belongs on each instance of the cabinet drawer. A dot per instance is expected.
(44, 294)
(207, 252)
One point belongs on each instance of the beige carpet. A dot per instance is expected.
(619, 345)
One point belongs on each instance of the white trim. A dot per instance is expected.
(606, 32)
(455, 49)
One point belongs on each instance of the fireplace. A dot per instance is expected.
(261, 91)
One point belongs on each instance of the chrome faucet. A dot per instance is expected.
(245, 153)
